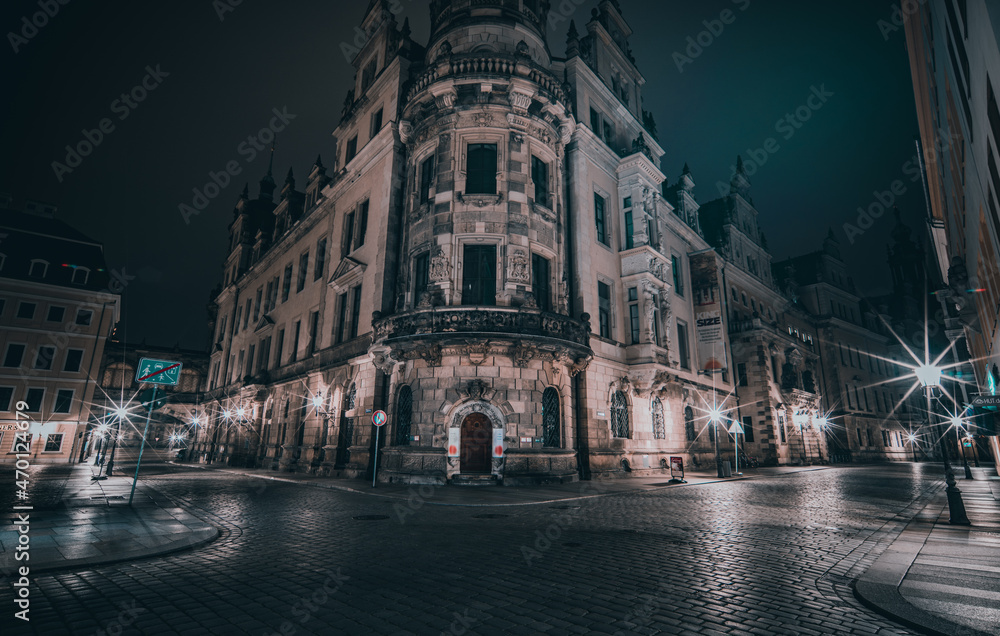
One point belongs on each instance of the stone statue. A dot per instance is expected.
(649, 308)
(517, 269)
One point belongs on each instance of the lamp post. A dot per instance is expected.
(957, 422)
(930, 378)
(913, 445)
(714, 417)
(120, 414)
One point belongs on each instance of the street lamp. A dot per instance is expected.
(913, 445)
(714, 417)
(930, 378)
(958, 423)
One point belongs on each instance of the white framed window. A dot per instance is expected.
(80, 275)
(38, 268)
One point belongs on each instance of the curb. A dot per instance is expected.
(878, 588)
(401, 497)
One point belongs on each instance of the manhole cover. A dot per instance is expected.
(371, 517)
(572, 544)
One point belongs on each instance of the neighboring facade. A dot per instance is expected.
(955, 65)
(774, 344)
(57, 309)
(117, 387)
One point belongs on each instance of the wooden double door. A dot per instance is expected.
(476, 440)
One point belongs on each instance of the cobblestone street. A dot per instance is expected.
(773, 555)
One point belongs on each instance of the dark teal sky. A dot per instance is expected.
(225, 76)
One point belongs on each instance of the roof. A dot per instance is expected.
(26, 238)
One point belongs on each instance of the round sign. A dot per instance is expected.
(378, 418)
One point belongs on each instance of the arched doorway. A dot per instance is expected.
(477, 436)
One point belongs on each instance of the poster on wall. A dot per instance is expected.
(454, 436)
(711, 343)
(497, 442)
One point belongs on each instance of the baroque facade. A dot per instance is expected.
(497, 260)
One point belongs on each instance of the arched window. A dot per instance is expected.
(80, 275)
(619, 416)
(659, 428)
(404, 415)
(550, 417)
(689, 431)
(350, 398)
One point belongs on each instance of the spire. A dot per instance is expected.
(319, 162)
(289, 186)
(572, 40)
(740, 183)
(739, 164)
(245, 195)
(686, 169)
(406, 27)
(267, 183)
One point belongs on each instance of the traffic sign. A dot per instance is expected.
(158, 371)
(378, 418)
(986, 400)
(146, 399)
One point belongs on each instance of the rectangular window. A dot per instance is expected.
(64, 401)
(362, 224)
(368, 74)
(629, 231)
(239, 317)
(540, 178)
(256, 305)
(246, 314)
(286, 284)
(868, 434)
(250, 359)
(604, 309)
(599, 219)
(26, 311)
(781, 428)
(265, 354)
(14, 355)
(595, 122)
(239, 366)
(540, 281)
(34, 399)
(320, 259)
(313, 331)
(295, 341)
(748, 429)
(741, 374)
(44, 356)
(860, 441)
(426, 178)
(279, 350)
(74, 359)
(341, 317)
(775, 370)
(609, 133)
(345, 241)
(53, 442)
(421, 269)
(675, 265)
(479, 275)
(6, 395)
(682, 345)
(352, 149)
(355, 311)
(481, 171)
(56, 314)
(633, 322)
(376, 124)
(300, 283)
(267, 300)
(847, 391)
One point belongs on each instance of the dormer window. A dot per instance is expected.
(368, 74)
(80, 275)
(38, 268)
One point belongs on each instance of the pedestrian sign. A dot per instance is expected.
(158, 371)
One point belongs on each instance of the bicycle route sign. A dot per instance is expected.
(158, 371)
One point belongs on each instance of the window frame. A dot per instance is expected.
(601, 228)
(48, 438)
(540, 181)
(69, 404)
(84, 312)
(20, 359)
(38, 356)
(487, 183)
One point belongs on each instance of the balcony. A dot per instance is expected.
(483, 322)
(487, 66)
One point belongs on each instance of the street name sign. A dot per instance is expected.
(158, 371)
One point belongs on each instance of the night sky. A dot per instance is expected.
(219, 79)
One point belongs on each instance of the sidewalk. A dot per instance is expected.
(92, 523)
(476, 496)
(940, 578)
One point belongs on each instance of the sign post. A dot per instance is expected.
(155, 372)
(378, 419)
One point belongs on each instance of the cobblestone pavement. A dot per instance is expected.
(767, 556)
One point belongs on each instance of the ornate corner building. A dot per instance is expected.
(496, 260)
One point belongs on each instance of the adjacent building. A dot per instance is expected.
(58, 305)
(955, 65)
